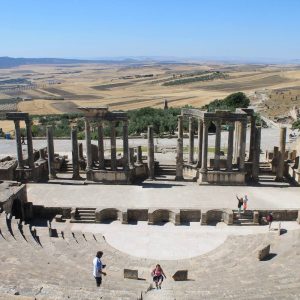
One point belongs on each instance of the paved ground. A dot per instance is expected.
(163, 194)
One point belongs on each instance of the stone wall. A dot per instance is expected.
(135, 215)
(50, 212)
(190, 215)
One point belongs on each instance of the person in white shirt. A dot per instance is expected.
(97, 268)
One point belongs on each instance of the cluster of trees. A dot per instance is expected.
(207, 77)
(296, 125)
(163, 121)
(231, 102)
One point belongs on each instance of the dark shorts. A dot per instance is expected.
(98, 280)
(158, 278)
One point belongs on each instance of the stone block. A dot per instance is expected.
(203, 220)
(180, 275)
(190, 215)
(264, 252)
(53, 232)
(58, 218)
(227, 216)
(256, 217)
(131, 274)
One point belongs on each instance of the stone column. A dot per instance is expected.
(139, 155)
(89, 160)
(237, 128)
(41, 154)
(19, 144)
(113, 146)
(131, 157)
(280, 165)
(191, 141)
(125, 145)
(50, 150)
(75, 156)
(217, 146)
(101, 146)
(275, 159)
(200, 142)
(205, 146)
(29, 144)
(242, 153)
(179, 155)
(252, 138)
(256, 154)
(230, 147)
(150, 152)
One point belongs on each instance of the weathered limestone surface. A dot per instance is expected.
(131, 274)
(281, 155)
(264, 252)
(180, 275)
(50, 150)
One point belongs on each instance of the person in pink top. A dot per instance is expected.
(158, 276)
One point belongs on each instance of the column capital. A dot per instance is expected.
(206, 122)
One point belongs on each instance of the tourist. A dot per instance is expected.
(97, 268)
(22, 139)
(158, 276)
(245, 200)
(240, 203)
(269, 219)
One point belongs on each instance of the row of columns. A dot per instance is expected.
(128, 152)
(19, 144)
(113, 145)
(202, 157)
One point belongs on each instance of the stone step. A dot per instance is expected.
(67, 182)
(86, 209)
(82, 221)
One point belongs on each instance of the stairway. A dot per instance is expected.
(67, 167)
(84, 215)
(265, 168)
(245, 218)
(165, 170)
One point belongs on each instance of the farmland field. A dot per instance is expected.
(55, 89)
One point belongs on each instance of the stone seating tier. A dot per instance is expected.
(61, 267)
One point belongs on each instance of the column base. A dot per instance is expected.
(89, 175)
(179, 178)
(202, 179)
(279, 179)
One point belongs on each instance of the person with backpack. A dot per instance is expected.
(158, 276)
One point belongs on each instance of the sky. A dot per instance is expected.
(165, 28)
